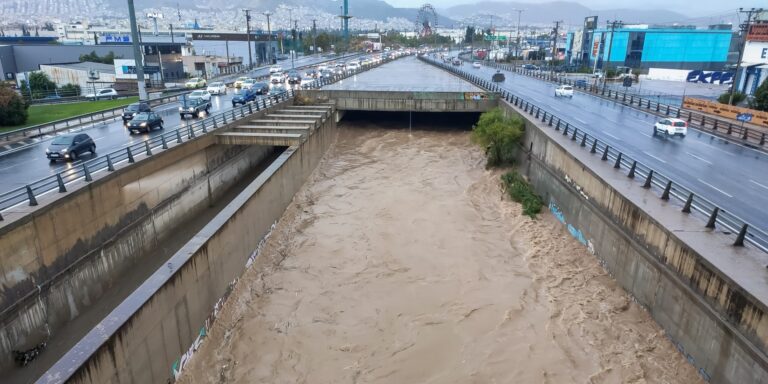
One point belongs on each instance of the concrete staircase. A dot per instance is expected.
(285, 127)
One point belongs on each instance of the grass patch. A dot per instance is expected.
(521, 191)
(40, 114)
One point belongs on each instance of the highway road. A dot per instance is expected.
(730, 175)
(29, 163)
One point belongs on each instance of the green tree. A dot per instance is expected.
(69, 90)
(109, 58)
(499, 135)
(40, 82)
(13, 109)
(760, 102)
(738, 97)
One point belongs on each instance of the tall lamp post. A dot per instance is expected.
(517, 47)
(137, 52)
(248, 36)
(269, 38)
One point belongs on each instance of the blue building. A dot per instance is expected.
(663, 47)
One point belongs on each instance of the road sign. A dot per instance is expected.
(744, 117)
(495, 38)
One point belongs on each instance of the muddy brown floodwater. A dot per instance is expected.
(400, 262)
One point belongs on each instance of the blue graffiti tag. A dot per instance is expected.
(556, 211)
(709, 77)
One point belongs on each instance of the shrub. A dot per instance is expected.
(68, 90)
(499, 135)
(760, 102)
(738, 97)
(520, 191)
(13, 109)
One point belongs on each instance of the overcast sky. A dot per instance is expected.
(690, 7)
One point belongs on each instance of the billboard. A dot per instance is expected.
(590, 23)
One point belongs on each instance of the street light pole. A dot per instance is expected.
(137, 52)
(248, 36)
(269, 38)
(517, 47)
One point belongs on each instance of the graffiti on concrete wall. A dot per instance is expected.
(180, 363)
(575, 232)
(710, 77)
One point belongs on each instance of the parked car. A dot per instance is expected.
(477, 64)
(194, 106)
(132, 109)
(564, 91)
(671, 127)
(145, 122)
(70, 147)
(581, 83)
(200, 94)
(217, 88)
(195, 82)
(276, 78)
(240, 80)
(498, 77)
(294, 77)
(102, 94)
(242, 96)
(275, 69)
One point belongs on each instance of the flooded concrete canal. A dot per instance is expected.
(400, 261)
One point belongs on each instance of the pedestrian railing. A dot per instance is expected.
(669, 189)
(84, 171)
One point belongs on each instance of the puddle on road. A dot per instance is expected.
(399, 262)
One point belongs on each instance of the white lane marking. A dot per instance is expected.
(699, 158)
(580, 120)
(645, 134)
(756, 183)
(606, 132)
(715, 188)
(658, 159)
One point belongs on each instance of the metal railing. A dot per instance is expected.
(669, 189)
(723, 128)
(59, 182)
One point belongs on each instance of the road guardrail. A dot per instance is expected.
(669, 189)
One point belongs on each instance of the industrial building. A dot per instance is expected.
(644, 46)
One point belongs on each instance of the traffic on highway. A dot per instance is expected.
(725, 172)
(116, 133)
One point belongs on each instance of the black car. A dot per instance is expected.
(294, 77)
(145, 122)
(498, 77)
(260, 88)
(580, 83)
(70, 147)
(530, 67)
(133, 109)
(313, 73)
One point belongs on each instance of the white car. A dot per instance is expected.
(275, 69)
(564, 91)
(200, 94)
(248, 83)
(102, 94)
(476, 64)
(306, 82)
(671, 127)
(353, 66)
(276, 78)
(216, 88)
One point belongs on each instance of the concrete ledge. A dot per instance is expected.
(268, 139)
(664, 258)
(399, 101)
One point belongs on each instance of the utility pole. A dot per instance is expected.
(555, 31)
(171, 26)
(744, 28)
(269, 38)
(517, 47)
(248, 36)
(613, 25)
(314, 36)
(137, 52)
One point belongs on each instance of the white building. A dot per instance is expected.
(87, 75)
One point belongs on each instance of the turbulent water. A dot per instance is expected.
(401, 262)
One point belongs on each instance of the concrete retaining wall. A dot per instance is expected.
(60, 258)
(717, 325)
(394, 101)
(154, 331)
